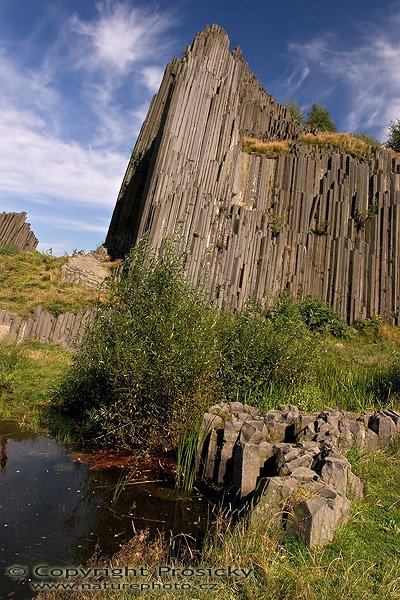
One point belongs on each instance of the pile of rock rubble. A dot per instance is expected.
(289, 465)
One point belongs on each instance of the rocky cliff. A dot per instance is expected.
(313, 221)
(14, 230)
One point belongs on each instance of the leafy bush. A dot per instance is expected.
(295, 110)
(259, 348)
(148, 365)
(319, 316)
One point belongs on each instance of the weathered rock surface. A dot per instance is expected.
(316, 520)
(66, 329)
(84, 269)
(314, 221)
(290, 465)
(14, 230)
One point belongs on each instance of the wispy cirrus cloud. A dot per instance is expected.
(70, 111)
(41, 157)
(361, 75)
(120, 37)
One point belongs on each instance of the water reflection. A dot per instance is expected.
(55, 511)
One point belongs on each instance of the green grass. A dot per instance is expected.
(28, 374)
(31, 279)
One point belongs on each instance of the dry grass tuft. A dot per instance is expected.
(353, 145)
(271, 149)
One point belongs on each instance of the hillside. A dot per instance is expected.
(29, 279)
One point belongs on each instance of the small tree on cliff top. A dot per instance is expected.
(393, 140)
(295, 110)
(319, 118)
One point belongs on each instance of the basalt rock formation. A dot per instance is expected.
(289, 466)
(14, 230)
(66, 329)
(314, 221)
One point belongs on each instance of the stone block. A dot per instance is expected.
(316, 519)
(301, 460)
(308, 433)
(229, 438)
(334, 473)
(385, 427)
(269, 499)
(211, 456)
(304, 474)
(355, 487)
(246, 467)
(4, 331)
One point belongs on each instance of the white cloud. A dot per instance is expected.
(39, 166)
(61, 223)
(64, 138)
(152, 76)
(367, 71)
(120, 37)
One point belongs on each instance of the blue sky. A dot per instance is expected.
(76, 78)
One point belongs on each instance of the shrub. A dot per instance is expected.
(259, 348)
(393, 141)
(319, 316)
(147, 366)
(295, 111)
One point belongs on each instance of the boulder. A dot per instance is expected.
(316, 519)
(384, 426)
(269, 500)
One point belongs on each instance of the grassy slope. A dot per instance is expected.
(30, 279)
(355, 145)
(28, 373)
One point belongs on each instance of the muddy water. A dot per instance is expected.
(56, 511)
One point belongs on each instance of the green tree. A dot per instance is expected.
(319, 118)
(393, 140)
(295, 110)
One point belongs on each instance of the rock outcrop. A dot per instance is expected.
(84, 269)
(65, 329)
(314, 221)
(14, 230)
(290, 465)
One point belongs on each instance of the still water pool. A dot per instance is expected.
(56, 511)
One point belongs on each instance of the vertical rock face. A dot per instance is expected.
(314, 221)
(14, 230)
(184, 163)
